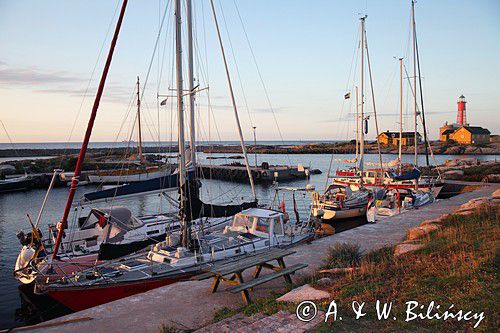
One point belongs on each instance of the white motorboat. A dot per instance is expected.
(392, 202)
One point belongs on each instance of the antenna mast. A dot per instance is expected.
(192, 122)
(235, 109)
(400, 153)
(139, 147)
(361, 114)
(186, 226)
(415, 162)
(86, 139)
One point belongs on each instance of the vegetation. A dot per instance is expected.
(343, 255)
(458, 264)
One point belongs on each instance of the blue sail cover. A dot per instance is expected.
(157, 184)
(413, 174)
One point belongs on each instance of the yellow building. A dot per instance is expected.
(466, 135)
(392, 138)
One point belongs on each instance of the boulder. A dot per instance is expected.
(455, 150)
(7, 169)
(421, 231)
(304, 293)
(324, 281)
(454, 173)
(406, 247)
(451, 163)
(325, 229)
(473, 205)
(433, 221)
(493, 178)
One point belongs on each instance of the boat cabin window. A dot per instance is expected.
(278, 226)
(132, 223)
(371, 174)
(241, 220)
(263, 225)
(89, 222)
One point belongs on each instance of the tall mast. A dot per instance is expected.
(186, 227)
(86, 139)
(424, 128)
(361, 114)
(192, 122)
(415, 162)
(357, 124)
(400, 155)
(141, 158)
(242, 141)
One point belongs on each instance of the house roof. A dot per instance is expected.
(448, 131)
(396, 134)
(477, 130)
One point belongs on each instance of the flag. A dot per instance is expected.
(295, 210)
(282, 204)
(102, 221)
(347, 96)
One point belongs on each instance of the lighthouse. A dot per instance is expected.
(461, 116)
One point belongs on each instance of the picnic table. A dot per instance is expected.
(231, 272)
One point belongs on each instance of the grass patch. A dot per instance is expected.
(459, 265)
(343, 255)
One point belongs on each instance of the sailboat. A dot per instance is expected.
(185, 254)
(110, 233)
(20, 183)
(141, 172)
(391, 178)
(341, 201)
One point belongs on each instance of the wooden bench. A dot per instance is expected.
(234, 269)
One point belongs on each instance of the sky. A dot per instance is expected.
(291, 63)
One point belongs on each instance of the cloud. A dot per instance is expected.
(57, 82)
(112, 92)
(264, 110)
(30, 76)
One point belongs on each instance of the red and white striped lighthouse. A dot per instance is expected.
(461, 116)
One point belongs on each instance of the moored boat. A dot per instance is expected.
(16, 184)
(392, 202)
(340, 202)
(251, 231)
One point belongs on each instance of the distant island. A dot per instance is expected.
(348, 147)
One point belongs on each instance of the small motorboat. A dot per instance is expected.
(16, 184)
(392, 202)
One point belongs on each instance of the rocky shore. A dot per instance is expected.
(438, 148)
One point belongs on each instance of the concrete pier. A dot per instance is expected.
(261, 174)
(190, 305)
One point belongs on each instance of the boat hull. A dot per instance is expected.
(332, 214)
(436, 189)
(81, 298)
(126, 178)
(12, 185)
